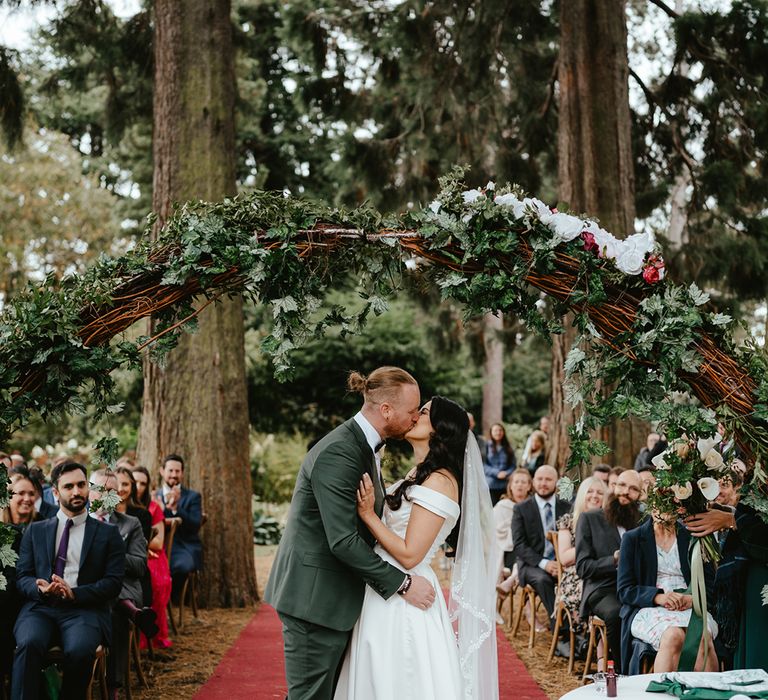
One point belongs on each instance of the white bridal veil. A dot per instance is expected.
(472, 603)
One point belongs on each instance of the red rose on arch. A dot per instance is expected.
(590, 244)
(654, 270)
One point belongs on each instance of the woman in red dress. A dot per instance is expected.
(157, 562)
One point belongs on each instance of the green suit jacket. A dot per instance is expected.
(325, 556)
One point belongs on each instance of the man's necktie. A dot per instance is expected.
(549, 522)
(61, 555)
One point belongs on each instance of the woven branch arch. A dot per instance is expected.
(491, 250)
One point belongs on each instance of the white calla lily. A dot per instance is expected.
(709, 487)
(658, 461)
(704, 445)
(682, 491)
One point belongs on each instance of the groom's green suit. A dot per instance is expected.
(325, 559)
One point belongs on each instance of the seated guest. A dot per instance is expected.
(126, 489)
(19, 513)
(157, 562)
(653, 565)
(130, 599)
(534, 554)
(519, 488)
(643, 458)
(535, 451)
(602, 472)
(44, 509)
(498, 461)
(730, 488)
(70, 570)
(742, 574)
(186, 504)
(598, 538)
(590, 496)
(647, 482)
(613, 477)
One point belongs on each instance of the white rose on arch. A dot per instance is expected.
(682, 491)
(565, 226)
(633, 252)
(510, 201)
(709, 487)
(608, 245)
(471, 196)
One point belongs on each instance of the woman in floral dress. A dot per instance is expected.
(591, 495)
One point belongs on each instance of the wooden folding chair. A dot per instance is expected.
(561, 610)
(596, 628)
(134, 659)
(170, 530)
(189, 589)
(98, 671)
(500, 600)
(528, 599)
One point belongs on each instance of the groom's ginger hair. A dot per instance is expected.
(380, 386)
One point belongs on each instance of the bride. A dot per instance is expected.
(445, 652)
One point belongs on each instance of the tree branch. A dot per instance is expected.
(665, 8)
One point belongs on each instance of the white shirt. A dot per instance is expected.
(372, 437)
(540, 502)
(75, 547)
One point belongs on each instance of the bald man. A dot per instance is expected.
(531, 519)
(598, 540)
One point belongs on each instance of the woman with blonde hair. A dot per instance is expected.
(519, 487)
(537, 451)
(590, 496)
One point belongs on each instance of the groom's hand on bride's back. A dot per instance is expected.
(421, 593)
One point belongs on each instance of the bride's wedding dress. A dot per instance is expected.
(398, 651)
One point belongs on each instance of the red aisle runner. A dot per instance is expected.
(253, 669)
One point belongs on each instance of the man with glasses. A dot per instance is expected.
(598, 540)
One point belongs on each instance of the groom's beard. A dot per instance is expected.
(619, 515)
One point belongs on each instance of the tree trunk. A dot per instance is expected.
(493, 371)
(196, 405)
(595, 167)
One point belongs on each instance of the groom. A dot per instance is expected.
(325, 557)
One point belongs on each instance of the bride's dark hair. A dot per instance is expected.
(447, 443)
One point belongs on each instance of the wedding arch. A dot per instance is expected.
(666, 354)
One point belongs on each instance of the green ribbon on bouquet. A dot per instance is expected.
(697, 626)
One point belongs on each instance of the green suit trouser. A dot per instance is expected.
(313, 656)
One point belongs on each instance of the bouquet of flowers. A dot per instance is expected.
(687, 480)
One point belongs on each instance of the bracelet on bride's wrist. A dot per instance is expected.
(406, 585)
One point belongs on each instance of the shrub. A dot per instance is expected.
(275, 462)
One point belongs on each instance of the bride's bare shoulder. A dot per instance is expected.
(442, 481)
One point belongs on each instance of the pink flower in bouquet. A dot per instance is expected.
(590, 244)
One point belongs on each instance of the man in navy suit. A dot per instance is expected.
(186, 504)
(531, 520)
(70, 570)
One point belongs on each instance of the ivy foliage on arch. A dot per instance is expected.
(669, 357)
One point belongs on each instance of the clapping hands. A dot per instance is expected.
(57, 588)
(172, 498)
